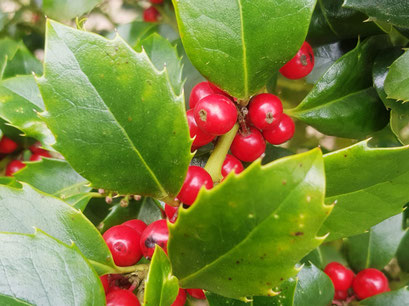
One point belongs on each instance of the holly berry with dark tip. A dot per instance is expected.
(171, 212)
(300, 65)
(340, 276)
(156, 233)
(369, 282)
(341, 295)
(7, 145)
(215, 114)
(230, 164)
(39, 156)
(265, 111)
(180, 299)
(281, 133)
(200, 138)
(248, 146)
(105, 282)
(196, 178)
(13, 167)
(151, 14)
(197, 293)
(138, 225)
(122, 297)
(124, 244)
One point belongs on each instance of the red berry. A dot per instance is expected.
(7, 145)
(105, 282)
(157, 1)
(369, 282)
(217, 90)
(215, 114)
(121, 297)
(281, 133)
(137, 225)
(231, 164)
(181, 298)
(196, 293)
(340, 276)
(341, 295)
(36, 148)
(123, 242)
(248, 147)
(151, 14)
(200, 91)
(156, 233)
(39, 156)
(301, 64)
(265, 111)
(13, 167)
(171, 212)
(196, 178)
(200, 138)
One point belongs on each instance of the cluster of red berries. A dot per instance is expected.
(151, 14)
(366, 283)
(9, 146)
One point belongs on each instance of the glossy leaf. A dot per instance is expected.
(6, 300)
(368, 185)
(393, 298)
(115, 108)
(161, 286)
(23, 209)
(392, 11)
(343, 102)
(403, 253)
(239, 45)
(270, 217)
(20, 102)
(9, 181)
(43, 271)
(397, 81)
(135, 31)
(377, 247)
(64, 9)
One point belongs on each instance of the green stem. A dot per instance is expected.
(216, 159)
(130, 269)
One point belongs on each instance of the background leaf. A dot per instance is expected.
(394, 298)
(115, 108)
(239, 45)
(270, 217)
(67, 9)
(10, 301)
(397, 81)
(403, 253)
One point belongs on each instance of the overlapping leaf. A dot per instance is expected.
(64, 10)
(397, 81)
(394, 298)
(403, 253)
(116, 118)
(257, 226)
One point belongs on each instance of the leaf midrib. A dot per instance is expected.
(243, 41)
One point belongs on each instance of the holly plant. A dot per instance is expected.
(201, 152)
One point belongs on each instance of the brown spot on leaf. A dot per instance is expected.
(298, 234)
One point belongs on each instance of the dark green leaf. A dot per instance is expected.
(314, 257)
(218, 300)
(9, 181)
(272, 153)
(64, 10)
(343, 103)
(392, 298)
(23, 209)
(161, 286)
(239, 45)
(41, 270)
(135, 31)
(6, 300)
(115, 108)
(403, 253)
(397, 81)
(270, 217)
(377, 247)
(22, 62)
(368, 185)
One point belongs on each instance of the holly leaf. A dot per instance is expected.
(41, 270)
(397, 81)
(391, 11)
(65, 10)
(242, 49)
(11, 301)
(86, 112)
(56, 177)
(161, 286)
(375, 248)
(397, 297)
(20, 102)
(25, 208)
(135, 31)
(269, 222)
(368, 186)
(343, 102)
(403, 253)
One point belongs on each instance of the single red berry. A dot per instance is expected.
(230, 164)
(137, 225)
(105, 282)
(181, 298)
(151, 14)
(215, 114)
(171, 212)
(341, 295)
(7, 145)
(300, 65)
(156, 1)
(200, 91)
(197, 293)
(13, 167)
(369, 282)
(281, 133)
(196, 178)
(36, 148)
(265, 111)
(156, 233)
(121, 297)
(248, 146)
(124, 244)
(200, 138)
(340, 276)
(39, 156)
